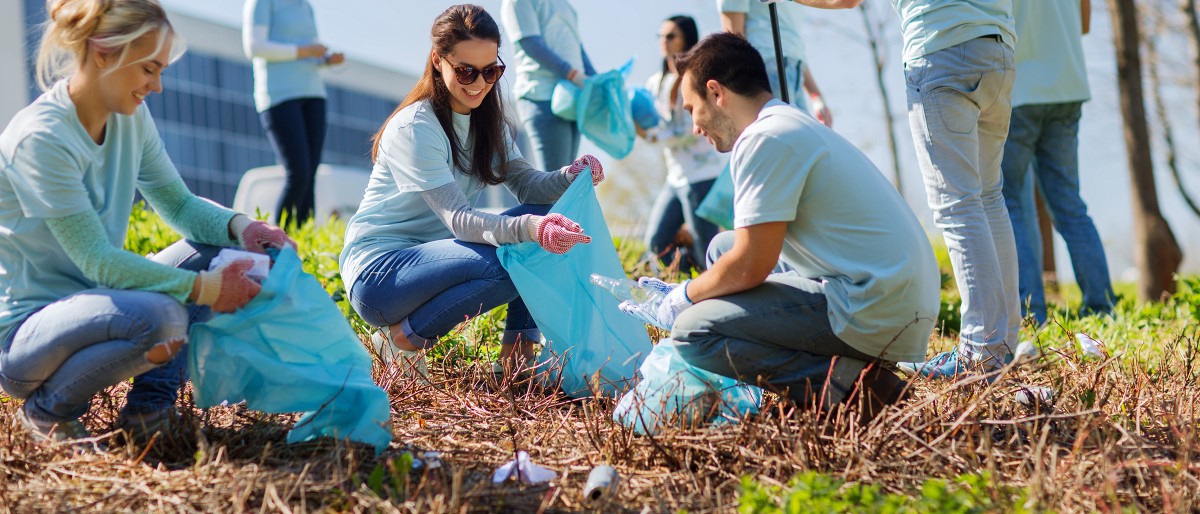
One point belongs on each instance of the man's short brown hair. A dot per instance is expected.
(730, 60)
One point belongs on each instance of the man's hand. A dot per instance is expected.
(661, 314)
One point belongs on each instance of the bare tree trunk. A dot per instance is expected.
(1158, 26)
(876, 53)
(1156, 252)
(1046, 232)
(1193, 24)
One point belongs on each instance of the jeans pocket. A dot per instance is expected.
(954, 103)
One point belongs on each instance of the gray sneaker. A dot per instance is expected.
(411, 363)
(51, 432)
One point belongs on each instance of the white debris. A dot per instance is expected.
(1025, 351)
(1091, 347)
(523, 467)
(1029, 394)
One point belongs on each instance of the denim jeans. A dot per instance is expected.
(795, 80)
(778, 332)
(959, 100)
(437, 285)
(72, 349)
(296, 130)
(553, 141)
(1047, 135)
(672, 209)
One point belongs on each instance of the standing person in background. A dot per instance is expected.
(692, 163)
(752, 20)
(419, 259)
(280, 36)
(548, 49)
(958, 65)
(78, 313)
(1048, 96)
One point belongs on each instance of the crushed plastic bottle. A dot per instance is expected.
(628, 290)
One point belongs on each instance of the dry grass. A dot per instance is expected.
(1118, 434)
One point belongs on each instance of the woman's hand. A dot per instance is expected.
(257, 236)
(584, 162)
(227, 288)
(557, 234)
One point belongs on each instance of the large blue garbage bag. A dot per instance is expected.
(717, 206)
(291, 350)
(674, 393)
(603, 113)
(596, 347)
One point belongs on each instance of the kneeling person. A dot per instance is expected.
(828, 272)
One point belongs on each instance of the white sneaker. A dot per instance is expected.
(411, 363)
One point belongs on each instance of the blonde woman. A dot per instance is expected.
(77, 312)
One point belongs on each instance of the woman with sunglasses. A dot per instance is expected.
(547, 49)
(692, 163)
(418, 258)
(280, 37)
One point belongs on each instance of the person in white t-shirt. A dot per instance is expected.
(827, 276)
(692, 163)
(78, 312)
(419, 258)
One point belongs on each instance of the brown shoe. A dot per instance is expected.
(881, 388)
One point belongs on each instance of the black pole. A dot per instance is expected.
(783, 90)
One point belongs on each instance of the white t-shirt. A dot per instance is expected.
(555, 22)
(847, 228)
(51, 168)
(758, 26)
(689, 158)
(414, 156)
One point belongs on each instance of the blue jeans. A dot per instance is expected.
(778, 332)
(434, 286)
(959, 100)
(795, 80)
(296, 130)
(553, 141)
(1048, 136)
(72, 349)
(672, 209)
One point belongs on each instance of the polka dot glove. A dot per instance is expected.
(257, 236)
(557, 234)
(585, 162)
(227, 288)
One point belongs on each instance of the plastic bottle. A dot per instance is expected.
(628, 290)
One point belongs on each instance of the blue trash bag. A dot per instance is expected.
(563, 100)
(291, 350)
(593, 347)
(675, 393)
(717, 206)
(603, 114)
(641, 106)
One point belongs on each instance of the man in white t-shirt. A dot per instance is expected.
(827, 276)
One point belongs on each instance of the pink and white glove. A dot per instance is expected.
(557, 234)
(587, 161)
(257, 236)
(227, 288)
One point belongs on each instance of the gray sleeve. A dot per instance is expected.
(532, 186)
(467, 224)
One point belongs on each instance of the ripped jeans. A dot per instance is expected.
(64, 354)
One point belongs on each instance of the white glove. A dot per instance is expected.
(662, 314)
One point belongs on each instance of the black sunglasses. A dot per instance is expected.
(466, 75)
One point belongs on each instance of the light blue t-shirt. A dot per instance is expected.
(291, 22)
(847, 228)
(556, 23)
(932, 25)
(758, 26)
(51, 168)
(1050, 64)
(414, 156)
